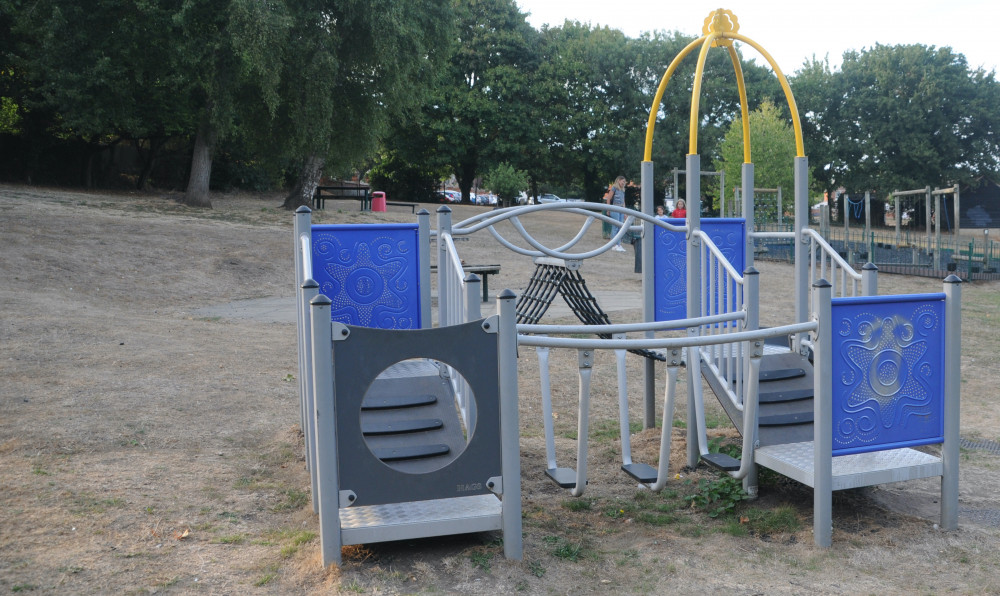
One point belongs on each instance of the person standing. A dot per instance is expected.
(679, 211)
(616, 196)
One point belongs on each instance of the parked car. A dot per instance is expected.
(549, 198)
(453, 196)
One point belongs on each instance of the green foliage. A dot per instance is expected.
(772, 145)
(506, 182)
(718, 496)
(899, 117)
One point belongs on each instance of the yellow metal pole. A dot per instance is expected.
(651, 124)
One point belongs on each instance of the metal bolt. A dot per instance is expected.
(344, 332)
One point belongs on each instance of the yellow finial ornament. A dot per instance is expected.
(721, 21)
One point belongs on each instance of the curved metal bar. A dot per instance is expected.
(665, 343)
(719, 257)
(834, 255)
(749, 421)
(669, 394)
(582, 429)
(632, 327)
(484, 220)
(616, 239)
(658, 98)
(741, 87)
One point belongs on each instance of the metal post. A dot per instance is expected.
(309, 289)
(424, 262)
(445, 308)
(751, 285)
(473, 290)
(694, 290)
(648, 292)
(510, 448)
(952, 402)
(781, 211)
(722, 193)
(302, 223)
(823, 418)
(958, 222)
(801, 199)
(869, 279)
(927, 216)
(325, 412)
(937, 231)
(746, 175)
(899, 219)
(868, 221)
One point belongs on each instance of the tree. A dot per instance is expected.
(772, 144)
(898, 117)
(481, 112)
(506, 182)
(355, 66)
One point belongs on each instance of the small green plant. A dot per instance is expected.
(481, 559)
(570, 551)
(577, 505)
(294, 499)
(354, 586)
(718, 496)
(536, 569)
(231, 539)
(782, 519)
(289, 378)
(22, 587)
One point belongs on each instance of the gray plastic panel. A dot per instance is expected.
(362, 357)
(419, 519)
(795, 460)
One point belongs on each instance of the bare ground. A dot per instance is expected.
(145, 448)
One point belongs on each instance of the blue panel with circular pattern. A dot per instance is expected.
(370, 272)
(670, 262)
(888, 372)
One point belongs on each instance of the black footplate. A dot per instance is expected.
(644, 473)
(721, 461)
(564, 477)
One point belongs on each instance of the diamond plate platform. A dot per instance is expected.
(420, 519)
(795, 460)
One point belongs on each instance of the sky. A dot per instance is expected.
(795, 31)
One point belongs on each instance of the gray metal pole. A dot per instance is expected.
(301, 224)
(952, 402)
(801, 202)
(424, 262)
(751, 286)
(927, 212)
(648, 292)
(781, 211)
(309, 289)
(694, 284)
(823, 418)
(869, 279)
(937, 231)
(444, 291)
(722, 193)
(747, 173)
(868, 220)
(325, 412)
(899, 221)
(510, 447)
(958, 213)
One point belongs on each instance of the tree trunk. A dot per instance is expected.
(147, 159)
(305, 186)
(466, 175)
(201, 167)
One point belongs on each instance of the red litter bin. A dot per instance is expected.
(378, 201)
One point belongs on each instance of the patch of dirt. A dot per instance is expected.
(145, 448)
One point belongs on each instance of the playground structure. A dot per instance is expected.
(837, 397)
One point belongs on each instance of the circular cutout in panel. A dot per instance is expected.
(418, 416)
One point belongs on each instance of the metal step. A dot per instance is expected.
(795, 460)
(721, 461)
(786, 412)
(420, 519)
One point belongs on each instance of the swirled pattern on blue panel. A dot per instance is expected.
(370, 273)
(888, 372)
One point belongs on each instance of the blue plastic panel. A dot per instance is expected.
(670, 262)
(888, 372)
(370, 272)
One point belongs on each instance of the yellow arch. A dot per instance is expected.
(720, 38)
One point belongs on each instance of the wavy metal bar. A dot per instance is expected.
(663, 342)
